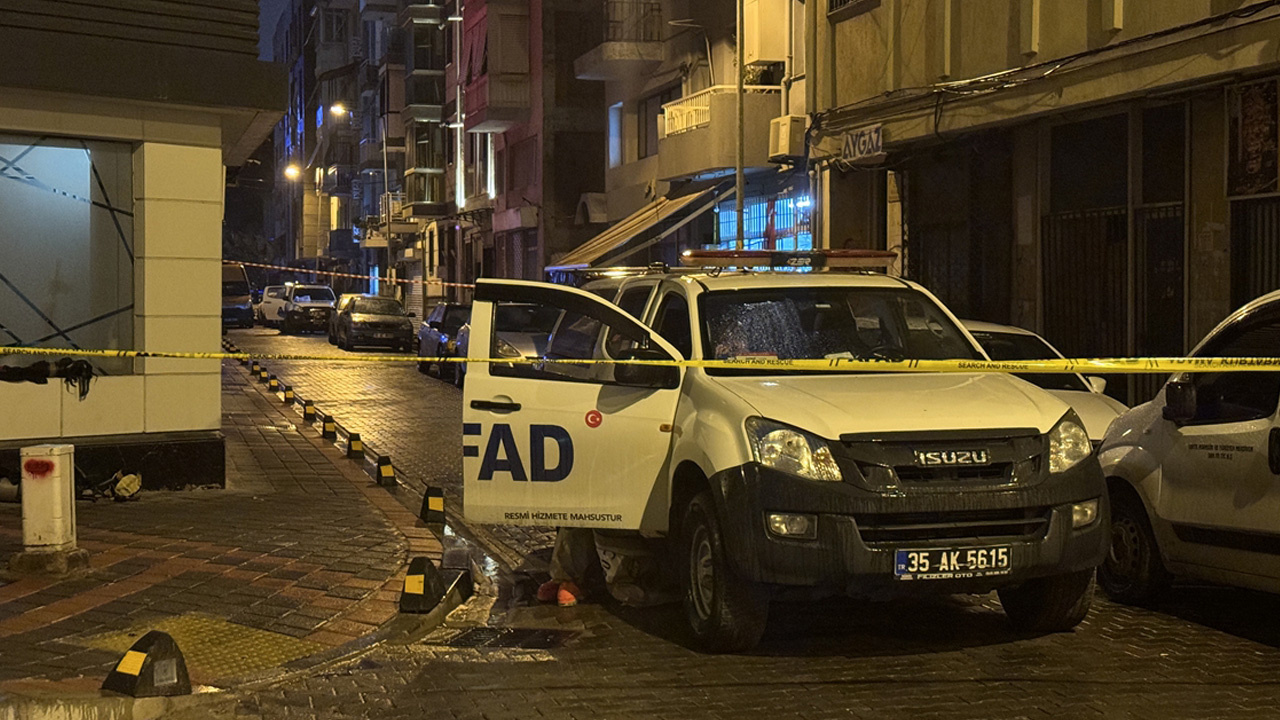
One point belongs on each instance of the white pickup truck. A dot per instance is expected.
(760, 478)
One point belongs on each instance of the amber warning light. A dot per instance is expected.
(812, 259)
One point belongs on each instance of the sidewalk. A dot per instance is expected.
(300, 555)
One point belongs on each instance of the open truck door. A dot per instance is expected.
(568, 445)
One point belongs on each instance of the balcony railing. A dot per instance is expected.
(633, 21)
(393, 202)
(694, 111)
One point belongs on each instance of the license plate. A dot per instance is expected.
(382, 336)
(947, 564)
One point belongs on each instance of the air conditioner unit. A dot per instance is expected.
(786, 138)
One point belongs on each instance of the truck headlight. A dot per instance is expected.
(1068, 444)
(790, 450)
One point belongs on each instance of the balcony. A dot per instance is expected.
(496, 41)
(700, 138)
(632, 43)
(337, 180)
(497, 103)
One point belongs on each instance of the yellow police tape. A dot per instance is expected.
(1153, 365)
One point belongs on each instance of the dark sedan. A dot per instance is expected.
(372, 320)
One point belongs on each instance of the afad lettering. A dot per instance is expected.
(502, 456)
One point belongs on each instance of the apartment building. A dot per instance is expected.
(524, 141)
(669, 72)
(1103, 172)
(111, 189)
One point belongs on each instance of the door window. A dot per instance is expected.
(632, 301)
(1239, 396)
(578, 334)
(672, 323)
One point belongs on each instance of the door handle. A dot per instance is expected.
(495, 406)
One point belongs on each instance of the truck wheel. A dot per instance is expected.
(726, 613)
(1049, 604)
(1132, 572)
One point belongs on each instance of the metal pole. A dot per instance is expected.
(739, 180)
(386, 193)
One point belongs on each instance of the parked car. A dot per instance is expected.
(439, 334)
(1084, 394)
(306, 308)
(338, 307)
(1194, 475)
(237, 296)
(758, 476)
(520, 330)
(374, 320)
(272, 302)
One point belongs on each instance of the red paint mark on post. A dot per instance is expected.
(38, 468)
(594, 418)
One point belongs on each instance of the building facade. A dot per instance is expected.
(111, 189)
(1102, 172)
(669, 73)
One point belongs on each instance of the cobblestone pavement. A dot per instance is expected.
(412, 417)
(1204, 653)
(301, 553)
(1204, 656)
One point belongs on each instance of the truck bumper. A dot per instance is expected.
(858, 532)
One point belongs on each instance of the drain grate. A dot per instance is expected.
(524, 638)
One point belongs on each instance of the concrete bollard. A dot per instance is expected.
(48, 512)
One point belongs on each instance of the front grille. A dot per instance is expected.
(998, 473)
(893, 464)
(1016, 524)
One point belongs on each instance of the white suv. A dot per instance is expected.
(1194, 475)
(871, 484)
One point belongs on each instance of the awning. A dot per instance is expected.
(637, 224)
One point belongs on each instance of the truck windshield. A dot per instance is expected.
(235, 287)
(828, 322)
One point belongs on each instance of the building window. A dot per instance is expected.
(650, 108)
(335, 26)
(615, 135)
(770, 223)
(524, 161)
(66, 246)
(426, 187)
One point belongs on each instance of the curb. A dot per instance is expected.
(99, 707)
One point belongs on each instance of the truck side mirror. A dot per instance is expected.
(647, 376)
(1097, 383)
(1179, 401)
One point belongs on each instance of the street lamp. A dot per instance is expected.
(338, 109)
(292, 171)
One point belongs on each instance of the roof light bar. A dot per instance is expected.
(815, 259)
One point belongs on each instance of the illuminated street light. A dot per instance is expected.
(293, 172)
(338, 109)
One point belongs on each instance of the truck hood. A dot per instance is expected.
(834, 405)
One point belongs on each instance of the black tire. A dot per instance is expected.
(1049, 604)
(725, 612)
(1132, 572)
